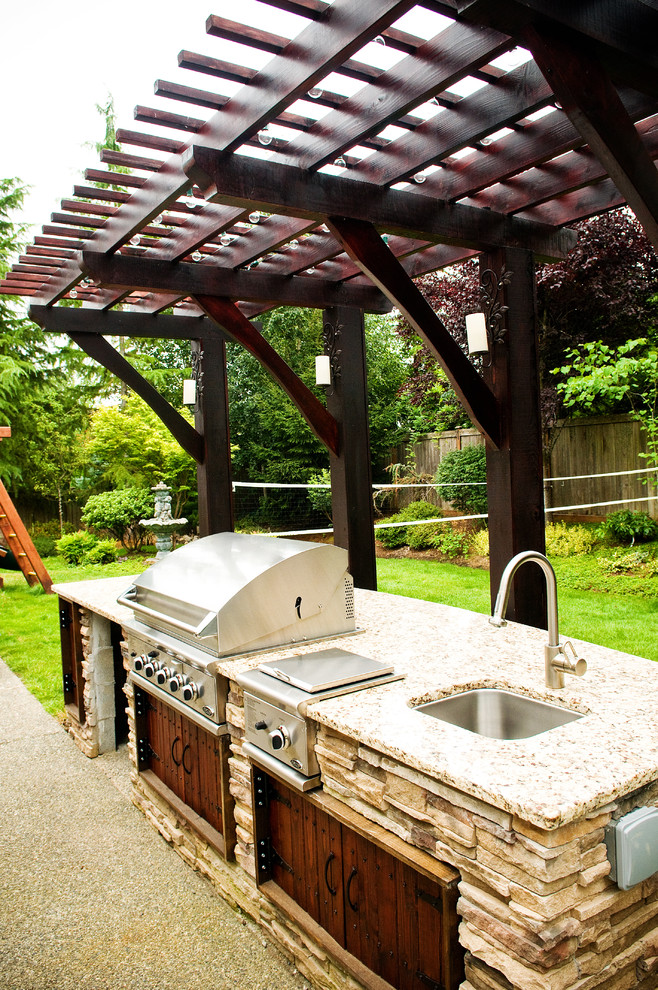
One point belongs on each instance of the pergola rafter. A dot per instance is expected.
(327, 180)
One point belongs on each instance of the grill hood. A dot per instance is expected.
(233, 593)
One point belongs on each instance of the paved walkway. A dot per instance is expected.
(90, 895)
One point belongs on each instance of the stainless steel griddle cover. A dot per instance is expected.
(325, 669)
(234, 593)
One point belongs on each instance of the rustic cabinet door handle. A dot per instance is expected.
(173, 754)
(332, 890)
(186, 749)
(355, 907)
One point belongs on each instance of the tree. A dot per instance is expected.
(606, 289)
(603, 379)
(131, 447)
(41, 381)
(273, 441)
(452, 294)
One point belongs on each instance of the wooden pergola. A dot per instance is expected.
(326, 180)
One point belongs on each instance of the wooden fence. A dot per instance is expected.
(579, 449)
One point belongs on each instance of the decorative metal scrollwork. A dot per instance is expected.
(331, 339)
(197, 373)
(491, 287)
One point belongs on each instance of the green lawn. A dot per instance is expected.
(616, 611)
(29, 626)
(612, 610)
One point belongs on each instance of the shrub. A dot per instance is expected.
(480, 543)
(45, 546)
(566, 541)
(118, 513)
(457, 468)
(630, 527)
(320, 498)
(74, 546)
(624, 561)
(400, 536)
(104, 552)
(51, 528)
(451, 542)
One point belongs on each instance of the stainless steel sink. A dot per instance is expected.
(498, 714)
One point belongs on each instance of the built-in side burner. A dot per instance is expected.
(278, 734)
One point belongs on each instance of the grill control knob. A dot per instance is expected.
(139, 661)
(151, 668)
(190, 691)
(177, 681)
(162, 675)
(279, 738)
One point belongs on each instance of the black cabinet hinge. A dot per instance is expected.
(144, 753)
(261, 790)
(69, 684)
(65, 619)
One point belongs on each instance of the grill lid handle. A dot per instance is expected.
(125, 599)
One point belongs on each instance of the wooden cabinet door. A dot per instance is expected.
(324, 863)
(305, 856)
(370, 905)
(396, 920)
(72, 657)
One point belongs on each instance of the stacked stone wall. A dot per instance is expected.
(97, 733)
(538, 910)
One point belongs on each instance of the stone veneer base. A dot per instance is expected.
(537, 909)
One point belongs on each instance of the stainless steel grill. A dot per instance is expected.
(226, 595)
(233, 593)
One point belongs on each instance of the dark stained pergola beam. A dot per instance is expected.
(515, 95)
(538, 141)
(118, 271)
(588, 96)
(238, 327)
(366, 248)
(101, 351)
(320, 47)
(555, 179)
(624, 30)
(62, 319)
(284, 189)
(580, 203)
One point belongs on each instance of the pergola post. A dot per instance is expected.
(211, 420)
(514, 470)
(351, 477)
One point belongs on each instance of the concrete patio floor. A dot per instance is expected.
(90, 895)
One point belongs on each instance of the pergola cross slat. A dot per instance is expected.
(491, 129)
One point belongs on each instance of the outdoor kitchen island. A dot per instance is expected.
(517, 825)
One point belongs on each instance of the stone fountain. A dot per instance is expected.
(162, 525)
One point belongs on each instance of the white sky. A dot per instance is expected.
(62, 58)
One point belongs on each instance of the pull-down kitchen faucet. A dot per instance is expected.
(557, 664)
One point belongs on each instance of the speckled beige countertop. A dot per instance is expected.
(549, 779)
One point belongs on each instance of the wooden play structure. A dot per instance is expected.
(18, 538)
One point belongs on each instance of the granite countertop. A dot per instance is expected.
(98, 596)
(549, 779)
